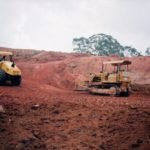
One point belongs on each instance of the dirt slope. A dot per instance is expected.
(44, 113)
(64, 69)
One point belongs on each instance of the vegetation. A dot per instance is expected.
(102, 44)
(147, 52)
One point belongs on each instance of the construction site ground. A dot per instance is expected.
(45, 113)
(34, 119)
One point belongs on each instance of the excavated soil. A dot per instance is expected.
(44, 113)
(74, 121)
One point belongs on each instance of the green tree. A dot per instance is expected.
(101, 44)
(147, 52)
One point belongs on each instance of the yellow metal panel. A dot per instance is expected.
(121, 62)
(7, 67)
(5, 53)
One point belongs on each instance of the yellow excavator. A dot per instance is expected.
(9, 72)
(113, 80)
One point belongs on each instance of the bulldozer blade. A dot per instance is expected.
(82, 86)
(81, 89)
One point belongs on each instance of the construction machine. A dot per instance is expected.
(9, 72)
(113, 79)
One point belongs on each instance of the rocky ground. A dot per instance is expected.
(44, 113)
(73, 120)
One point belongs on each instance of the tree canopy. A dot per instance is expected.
(102, 44)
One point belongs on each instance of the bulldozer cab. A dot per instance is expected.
(115, 71)
(115, 66)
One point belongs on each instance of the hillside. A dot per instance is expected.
(63, 70)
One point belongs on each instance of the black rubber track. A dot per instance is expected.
(2, 77)
(16, 80)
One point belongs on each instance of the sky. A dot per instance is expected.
(52, 24)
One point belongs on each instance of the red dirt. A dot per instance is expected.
(45, 113)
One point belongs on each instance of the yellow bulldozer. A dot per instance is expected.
(113, 79)
(9, 72)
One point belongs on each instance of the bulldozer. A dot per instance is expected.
(9, 72)
(112, 80)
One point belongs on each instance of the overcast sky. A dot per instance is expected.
(52, 24)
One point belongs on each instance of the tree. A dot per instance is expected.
(130, 51)
(147, 52)
(101, 44)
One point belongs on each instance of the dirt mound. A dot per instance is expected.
(142, 88)
(64, 70)
(44, 113)
(55, 56)
(21, 54)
